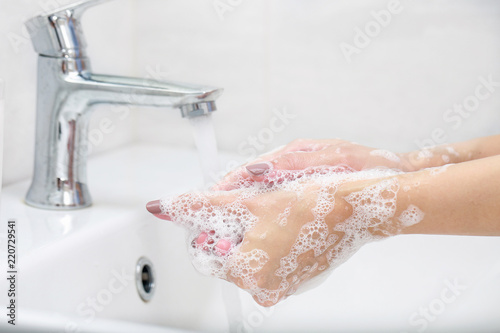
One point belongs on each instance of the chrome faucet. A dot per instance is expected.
(67, 90)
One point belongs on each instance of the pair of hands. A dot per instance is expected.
(271, 240)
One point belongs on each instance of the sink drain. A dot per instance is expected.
(145, 279)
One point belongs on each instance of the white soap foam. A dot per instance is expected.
(225, 216)
(411, 216)
(425, 153)
(389, 155)
(452, 151)
(283, 216)
(437, 170)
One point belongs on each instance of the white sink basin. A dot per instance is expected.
(76, 269)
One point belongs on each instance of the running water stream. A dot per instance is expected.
(204, 136)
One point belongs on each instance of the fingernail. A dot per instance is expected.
(222, 247)
(258, 169)
(201, 238)
(154, 207)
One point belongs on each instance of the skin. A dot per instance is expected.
(303, 153)
(470, 206)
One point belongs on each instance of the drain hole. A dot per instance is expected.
(145, 279)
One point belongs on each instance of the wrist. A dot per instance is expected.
(434, 157)
(375, 207)
(411, 161)
(408, 213)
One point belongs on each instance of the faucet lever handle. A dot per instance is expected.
(58, 33)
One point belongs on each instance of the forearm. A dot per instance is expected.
(460, 199)
(453, 153)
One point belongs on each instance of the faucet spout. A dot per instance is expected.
(147, 92)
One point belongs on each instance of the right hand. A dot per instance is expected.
(271, 241)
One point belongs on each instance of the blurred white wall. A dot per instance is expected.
(414, 77)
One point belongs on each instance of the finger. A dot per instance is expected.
(296, 157)
(240, 177)
(243, 177)
(294, 161)
(223, 247)
(233, 180)
(208, 243)
(309, 145)
(154, 207)
(270, 172)
(304, 145)
(177, 209)
(266, 303)
(301, 160)
(207, 217)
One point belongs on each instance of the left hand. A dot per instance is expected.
(305, 153)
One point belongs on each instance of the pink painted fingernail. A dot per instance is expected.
(201, 238)
(258, 169)
(222, 247)
(154, 207)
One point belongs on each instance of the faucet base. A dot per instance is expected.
(65, 196)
